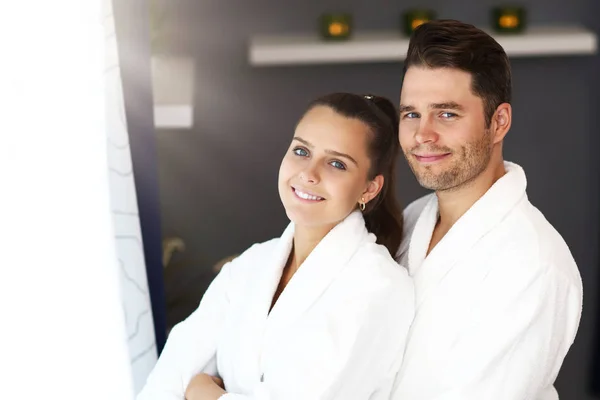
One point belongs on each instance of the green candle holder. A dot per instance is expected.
(509, 19)
(335, 26)
(412, 19)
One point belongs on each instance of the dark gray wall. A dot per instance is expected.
(586, 352)
(218, 181)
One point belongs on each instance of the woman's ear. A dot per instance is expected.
(373, 188)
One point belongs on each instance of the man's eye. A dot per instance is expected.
(446, 114)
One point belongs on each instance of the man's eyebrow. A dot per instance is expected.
(452, 105)
(405, 108)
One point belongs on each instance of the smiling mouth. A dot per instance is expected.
(306, 196)
(431, 158)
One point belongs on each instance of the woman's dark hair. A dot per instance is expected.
(382, 214)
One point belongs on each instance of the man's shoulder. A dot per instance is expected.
(528, 225)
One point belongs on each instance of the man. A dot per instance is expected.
(498, 294)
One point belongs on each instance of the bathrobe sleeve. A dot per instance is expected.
(510, 341)
(191, 345)
(357, 357)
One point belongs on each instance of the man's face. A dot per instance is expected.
(442, 128)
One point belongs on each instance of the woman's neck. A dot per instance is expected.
(305, 241)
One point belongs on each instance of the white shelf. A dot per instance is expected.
(173, 92)
(174, 116)
(303, 49)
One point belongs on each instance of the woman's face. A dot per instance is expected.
(324, 174)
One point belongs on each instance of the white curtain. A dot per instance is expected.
(75, 320)
(128, 235)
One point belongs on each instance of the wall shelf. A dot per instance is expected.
(391, 46)
(173, 81)
(176, 116)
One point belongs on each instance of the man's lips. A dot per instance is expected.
(430, 158)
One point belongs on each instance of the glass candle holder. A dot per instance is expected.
(509, 19)
(335, 26)
(411, 19)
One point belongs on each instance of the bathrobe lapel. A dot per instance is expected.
(429, 270)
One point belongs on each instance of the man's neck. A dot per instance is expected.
(454, 203)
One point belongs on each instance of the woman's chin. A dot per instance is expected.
(301, 219)
(304, 219)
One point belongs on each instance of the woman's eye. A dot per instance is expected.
(338, 165)
(299, 151)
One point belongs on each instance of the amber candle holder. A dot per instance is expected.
(509, 19)
(335, 26)
(411, 19)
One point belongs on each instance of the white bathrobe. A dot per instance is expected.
(498, 300)
(337, 331)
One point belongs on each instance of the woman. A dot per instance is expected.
(323, 311)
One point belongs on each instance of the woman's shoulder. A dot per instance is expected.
(256, 251)
(374, 283)
(373, 263)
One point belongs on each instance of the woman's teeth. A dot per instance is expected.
(307, 196)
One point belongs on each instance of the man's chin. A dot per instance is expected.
(430, 182)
